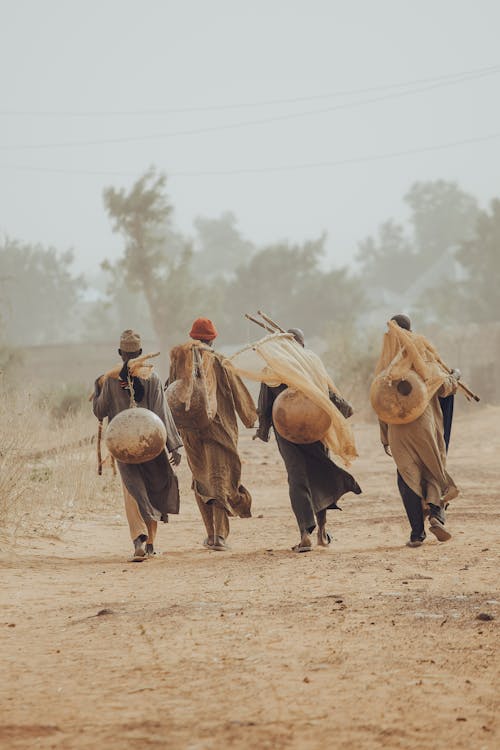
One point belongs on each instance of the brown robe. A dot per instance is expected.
(212, 452)
(419, 450)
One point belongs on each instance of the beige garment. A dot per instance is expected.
(136, 522)
(214, 517)
(278, 359)
(419, 450)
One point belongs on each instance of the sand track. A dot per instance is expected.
(364, 645)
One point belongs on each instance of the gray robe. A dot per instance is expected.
(152, 484)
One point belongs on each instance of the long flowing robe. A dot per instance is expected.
(419, 450)
(316, 483)
(212, 452)
(152, 484)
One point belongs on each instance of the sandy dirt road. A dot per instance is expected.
(368, 644)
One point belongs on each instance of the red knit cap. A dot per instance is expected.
(203, 329)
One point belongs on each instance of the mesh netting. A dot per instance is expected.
(277, 359)
(403, 351)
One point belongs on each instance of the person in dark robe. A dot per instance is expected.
(419, 450)
(315, 482)
(150, 489)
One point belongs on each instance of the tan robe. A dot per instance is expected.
(419, 450)
(212, 453)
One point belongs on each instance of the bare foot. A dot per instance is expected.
(324, 538)
(305, 544)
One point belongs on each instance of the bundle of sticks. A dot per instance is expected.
(272, 327)
(267, 323)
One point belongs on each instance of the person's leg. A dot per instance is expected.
(137, 525)
(299, 491)
(413, 507)
(152, 527)
(206, 510)
(221, 527)
(437, 520)
(324, 538)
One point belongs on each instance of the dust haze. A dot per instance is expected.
(332, 164)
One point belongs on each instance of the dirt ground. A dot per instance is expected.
(367, 644)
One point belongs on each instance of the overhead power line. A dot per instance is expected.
(241, 124)
(158, 111)
(362, 159)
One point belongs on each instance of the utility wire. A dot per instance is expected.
(274, 168)
(238, 125)
(474, 73)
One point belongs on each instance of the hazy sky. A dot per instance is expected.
(99, 70)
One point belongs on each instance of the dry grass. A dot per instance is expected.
(48, 472)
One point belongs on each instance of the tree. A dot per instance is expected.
(156, 260)
(480, 257)
(39, 294)
(287, 282)
(388, 261)
(442, 215)
(220, 248)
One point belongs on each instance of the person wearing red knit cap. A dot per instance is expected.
(212, 448)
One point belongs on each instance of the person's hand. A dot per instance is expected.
(456, 373)
(175, 458)
(387, 449)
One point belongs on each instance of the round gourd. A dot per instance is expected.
(298, 419)
(135, 436)
(399, 401)
(196, 417)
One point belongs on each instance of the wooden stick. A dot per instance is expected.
(99, 454)
(271, 322)
(254, 320)
(460, 385)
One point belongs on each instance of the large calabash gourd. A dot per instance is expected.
(399, 401)
(298, 419)
(135, 436)
(196, 417)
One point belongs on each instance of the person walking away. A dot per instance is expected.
(419, 450)
(150, 489)
(315, 482)
(212, 452)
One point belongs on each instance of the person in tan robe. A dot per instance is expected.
(212, 452)
(419, 451)
(150, 489)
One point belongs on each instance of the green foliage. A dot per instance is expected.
(480, 256)
(39, 294)
(156, 261)
(389, 261)
(442, 215)
(220, 246)
(287, 281)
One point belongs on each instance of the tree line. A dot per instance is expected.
(164, 279)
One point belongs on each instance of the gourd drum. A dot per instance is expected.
(135, 436)
(298, 419)
(196, 417)
(399, 401)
